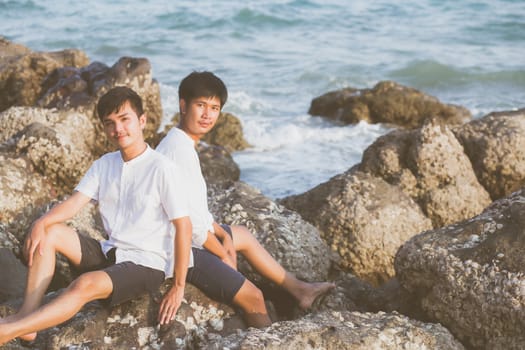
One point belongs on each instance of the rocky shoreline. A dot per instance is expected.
(423, 237)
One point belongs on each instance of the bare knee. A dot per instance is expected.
(91, 285)
(250, 298)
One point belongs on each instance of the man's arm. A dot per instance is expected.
(172, 300)
(59, 213)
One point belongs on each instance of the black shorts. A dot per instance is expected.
(129, 280)
(213, 277)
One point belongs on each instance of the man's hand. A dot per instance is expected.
(36, 239)
(231, 258)
(170, 304)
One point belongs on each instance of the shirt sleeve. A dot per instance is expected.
(90, 183)
(174, 194)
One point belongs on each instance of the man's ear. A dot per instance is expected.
(182, 106)
(142, 120)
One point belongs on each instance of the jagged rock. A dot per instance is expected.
(294, 243)
(50, 140)
(341, 330)
(21, 189)
(217, 164)
(364, 219)
(13, 276)
(133, 324)
(23, 71)
(470, 275)
(496, 146)
(387, 102)
(80, 88)
(430, 165)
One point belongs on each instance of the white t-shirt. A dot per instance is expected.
(137, 199)
(180, 148)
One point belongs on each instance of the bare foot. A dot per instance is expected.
(11, 318)
(312, 291)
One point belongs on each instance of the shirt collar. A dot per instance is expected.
(140, 157)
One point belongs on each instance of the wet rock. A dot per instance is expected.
(364, 219)
(496, 146)
(470, 275)
(430, 165)
(387, 102)
(342, 330)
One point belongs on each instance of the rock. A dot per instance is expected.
(496, 146)
(341, 330)
(295, 244)
(364, 219)
(470, 275)
(133, 324)
(80, 88)
(49, 140)
(430, 165)
(217, 164)
(22, 190)
(23, 71)
(13, 277)
(387, 102)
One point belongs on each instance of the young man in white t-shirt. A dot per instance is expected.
(142, 204)
(201, 98)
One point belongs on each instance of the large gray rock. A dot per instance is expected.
(23, 71)
(430, 165)
(217, 164)
(470, 276)
(496, 146)
(294, 243)
(21, 189)
(364, 219)
(341, 330)
(387, 102)
(59, 144)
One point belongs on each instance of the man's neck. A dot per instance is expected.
(195, 138)
(133, 151)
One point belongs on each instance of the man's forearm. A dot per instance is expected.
(182, 250)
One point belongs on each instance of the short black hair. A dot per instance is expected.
(115, 98)
(202, 84)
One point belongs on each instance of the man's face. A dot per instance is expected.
(124, 128)
(199, 115)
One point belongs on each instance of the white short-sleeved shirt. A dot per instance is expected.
(137, 199)
(180, 148)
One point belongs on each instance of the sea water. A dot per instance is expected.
(276, 56)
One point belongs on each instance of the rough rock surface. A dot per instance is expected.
(294, 243)
(430, 165)
(50, 140)
(133, 324)
(22, 71)
(496, 146)
(217, 164)
(470, 276)
(364, 219)
(21, 189)
(341, 330)
(387, 102)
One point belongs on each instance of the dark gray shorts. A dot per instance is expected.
(129, 280)
(213, 277)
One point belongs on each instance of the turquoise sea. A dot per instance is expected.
(276, 56)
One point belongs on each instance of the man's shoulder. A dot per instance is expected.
(175, 138)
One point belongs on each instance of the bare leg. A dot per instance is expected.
(61, 239)
(89, 286)
(305, 292)
(251, 300)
